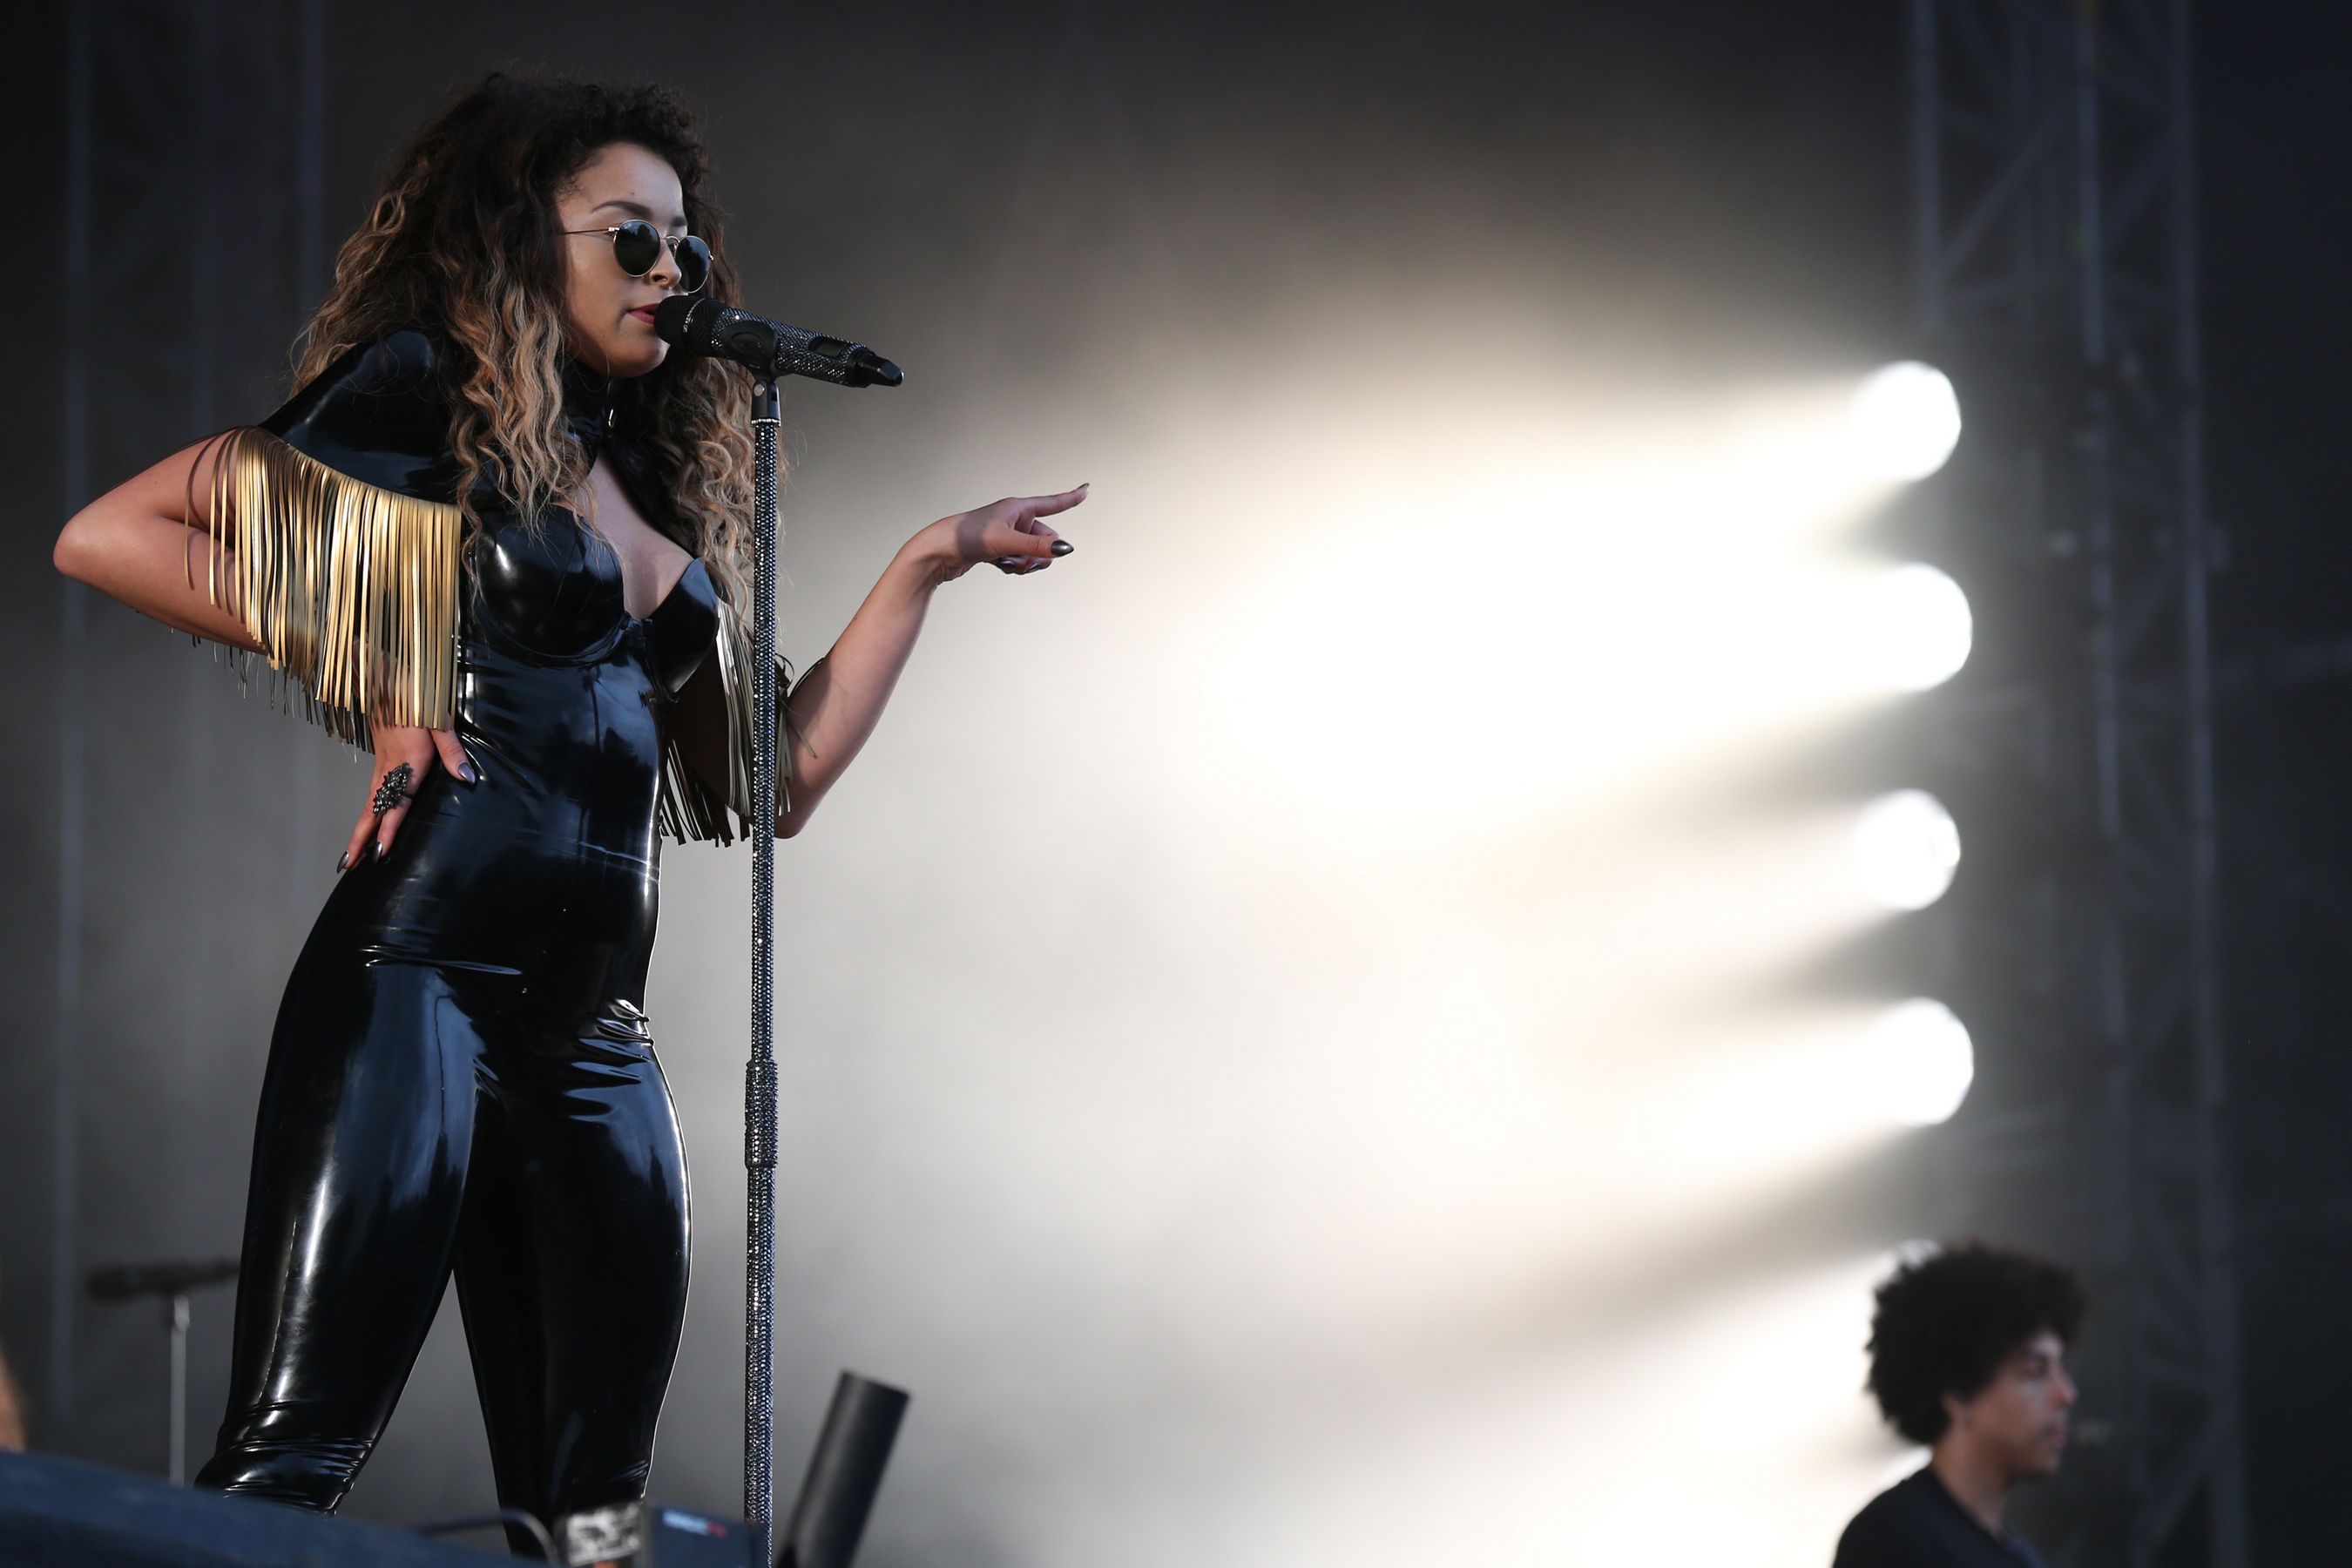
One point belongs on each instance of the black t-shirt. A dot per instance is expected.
(1915, 1523)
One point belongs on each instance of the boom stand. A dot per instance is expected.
(760, 1074)
(176, 1320)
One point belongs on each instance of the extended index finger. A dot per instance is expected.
(1046, 506)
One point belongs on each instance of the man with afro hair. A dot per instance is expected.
(1967, 1352)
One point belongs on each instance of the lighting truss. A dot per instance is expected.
(2056, 263)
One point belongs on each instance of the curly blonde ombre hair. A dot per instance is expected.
(463, 243)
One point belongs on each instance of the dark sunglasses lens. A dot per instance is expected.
(636, 246)
(693, 265)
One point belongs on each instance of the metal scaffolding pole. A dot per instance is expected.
(2056, 262)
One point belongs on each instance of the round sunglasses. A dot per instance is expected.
(637, 245)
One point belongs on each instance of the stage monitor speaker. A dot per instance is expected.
(56, 1513)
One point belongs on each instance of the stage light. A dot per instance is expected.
(1921, 628)
(1905, 848)
(1921, 1061)
(1904, 421)
(1533, 719)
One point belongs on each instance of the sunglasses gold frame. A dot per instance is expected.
(670, 242)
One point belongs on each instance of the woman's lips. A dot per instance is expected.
(643, 313)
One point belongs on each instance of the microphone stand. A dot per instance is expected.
(759, 1073)
(175, 1321)
(171, 1284)
(768, 349)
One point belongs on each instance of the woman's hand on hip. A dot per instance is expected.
(1010, 535)
(391, 791)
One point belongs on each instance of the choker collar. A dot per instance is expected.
(587, 400)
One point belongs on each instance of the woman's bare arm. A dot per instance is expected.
(832, 710)
(131, 544)
(835, 708)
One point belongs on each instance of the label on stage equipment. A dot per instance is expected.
(655, 1535)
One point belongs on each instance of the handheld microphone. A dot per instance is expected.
(701, 325)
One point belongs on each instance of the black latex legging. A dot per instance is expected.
(462, 1077)
(408, 1127)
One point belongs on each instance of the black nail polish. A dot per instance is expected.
(1063, 547)
(343, 862)
(375, 850)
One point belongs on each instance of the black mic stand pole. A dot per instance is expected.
(759, 1075)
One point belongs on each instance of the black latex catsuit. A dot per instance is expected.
(462, 1074)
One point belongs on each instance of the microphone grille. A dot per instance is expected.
(671, 318)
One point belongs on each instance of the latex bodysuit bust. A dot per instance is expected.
(462, 1076)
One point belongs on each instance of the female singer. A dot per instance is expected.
(502, 536)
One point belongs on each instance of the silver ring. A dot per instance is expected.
(395, 788)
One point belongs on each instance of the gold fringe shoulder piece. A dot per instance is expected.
(350, 589)
(690, 811)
